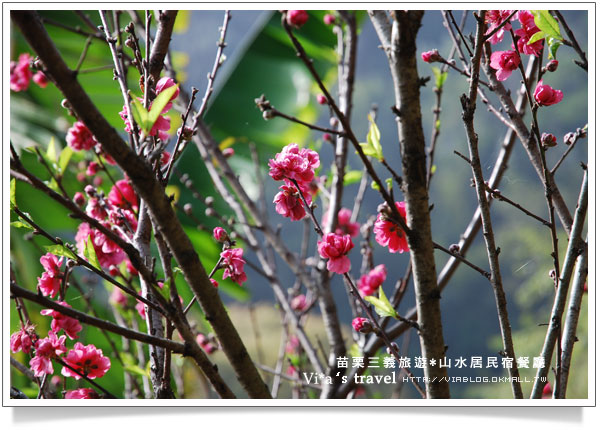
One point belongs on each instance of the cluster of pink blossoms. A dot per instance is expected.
(370, 282)
(87, 360)
(62, 322)
(232, 259)
(163, 123)
(49, 283)
(21, 74)
(293, 164)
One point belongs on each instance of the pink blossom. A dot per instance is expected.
(328, 19)
(296, 18)
(164, 158)
(96, 209)
(92, 168)
(122, 217)
(46, 349)
(233, 262)
(504, 62)
(335, 247)
(293, 345)
(123, 195)
(288, 203)
(371, 282)
(548, 140)
(87, 360)
(547, 391)
(344, 226)
(545, 95)
(220, 234)
(388, 233)
(164, 83)
(20, 73)
(51, 264)
(130, 268)
(141, 308)
(40, 79)
(299, 303)
(82, 393)
(431, 56)
(294, 163)
(80, 137)
(107, 251)
(204, 342)
(528, 29)
(48, 284)
(70, 325)
(23, 339)
(494, 18)
(118, 298)
(362, 325)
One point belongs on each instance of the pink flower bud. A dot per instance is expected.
(552, 65)
(228, 152)
(80, 137)
(299, 303)
(362, 325)
(214, 283)
(90, 190)
(296, 18)
(548, 140)
(321, 99)
(97, 181)
(431, 56)
(547, 391)
(113, 271)
(328, 19)
(220, 234)
(79, 199)
(327, 137)
(40, 79)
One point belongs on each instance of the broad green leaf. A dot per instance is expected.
(537, 36)
(65, 157)
(51, 151)
(352, 177)
(60, 251)
(13, 187)
(546, 23)
(159, 104)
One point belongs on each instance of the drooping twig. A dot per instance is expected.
(573, 42)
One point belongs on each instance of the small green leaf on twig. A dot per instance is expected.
(352, 177)
(13, 188)
(90, 253)
(546, 23)
(60, 251)
(382, 305)
(440, 78)
(372, 147)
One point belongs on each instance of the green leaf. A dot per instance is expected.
(65, 157)
(129, 364)
(140, 115)
(90, 253)
(537, 36)
(389, 182)
(13, 188)
(553, 45)
(375, 186)
(372, 147)
(440, 78)
(21, 224)
(159, 104)
(51, 151)
(352, 177)
(60, 251)
(546, 23)
(382, 305)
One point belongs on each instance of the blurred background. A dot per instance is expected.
(259, 61)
